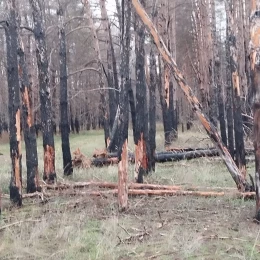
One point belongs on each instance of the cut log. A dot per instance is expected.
(211, 130)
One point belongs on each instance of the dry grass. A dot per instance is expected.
(153, 227)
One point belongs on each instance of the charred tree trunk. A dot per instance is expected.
(28, 126)
(141, 130)
(241, 183)
(229, 92)
(255, 73)
(14, 105)
(152, 108)
(238, 122)
(64, 121)
(123, 105)
(49, 173)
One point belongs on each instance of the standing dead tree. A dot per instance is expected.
(239, 179)
(14, 104)
(28, 125)
(49, 173)
(255, 73)
(64, 121)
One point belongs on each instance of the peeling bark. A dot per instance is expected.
(14, 105)
(241, 183)
(122, 179)
(49, 173)
(28, 125)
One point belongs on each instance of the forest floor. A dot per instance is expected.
(182, 227)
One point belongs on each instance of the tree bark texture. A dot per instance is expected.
(11, 33)
(49, 173)
(141, 129)
(28, 125)
(238, 122)
(64, 120)
(255, 73)
(241, 183)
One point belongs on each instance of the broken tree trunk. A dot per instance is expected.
(28, 125)
(49, 173)
(14, 104)
(241, 183)
(255, 73)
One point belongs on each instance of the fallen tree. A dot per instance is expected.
(138, 192)
(211, 130)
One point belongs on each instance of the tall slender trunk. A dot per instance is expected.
(49, 173)
(14, 105)
(64, 121)
(152, 108)
(229, 91)
(141, 130)
(103, 100)
(123, 106)
(28, 125)
(255, 73)
(236, 84)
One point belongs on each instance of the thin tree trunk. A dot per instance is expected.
(64, 121)
(152, 108)
(49, 173)
(255, 73)
(14, 105)
(123, 105)
(28, 125)
(103, 99)
(242, 184)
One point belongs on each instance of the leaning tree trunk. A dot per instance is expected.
(28, 125)
(141, 129)
(64, 121)
(255, 73)
(103, 99)
(14, 105)
(241, 183)
(123, 106)
(49, 174)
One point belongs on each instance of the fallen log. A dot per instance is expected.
(109, 185)
(139, 192)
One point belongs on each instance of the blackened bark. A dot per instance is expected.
(237, 106)
(77, 124)
(65, 143)
(14, 105)
(152, 108)
(125, 78)
(28, 126)
(229, 95)
(49, 173)
(221, 104)
(132, 105)
(141, 129)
